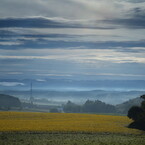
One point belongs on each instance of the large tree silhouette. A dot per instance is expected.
(137, 114)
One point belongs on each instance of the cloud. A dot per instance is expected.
(54, 75)
(14, 73)
(134, 19)
(44, 22)
(40, 80)
(77, 56)
(64, 38)
(11, 84)
(136, 1)
(10, 43)
(70, 39)
(89, 63)
(73, 9)
(113, 74)
(131, 23)
(68, 9)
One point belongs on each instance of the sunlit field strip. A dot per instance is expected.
(62, 122)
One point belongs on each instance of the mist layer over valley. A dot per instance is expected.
(59, 91)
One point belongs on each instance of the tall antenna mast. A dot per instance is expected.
(31, 95)
(31, 90)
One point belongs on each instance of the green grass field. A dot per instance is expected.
(70, 139)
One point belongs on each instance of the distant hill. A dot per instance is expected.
(8, 102)
(78, 97)
(124, 107)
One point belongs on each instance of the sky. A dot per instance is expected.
(72, 39)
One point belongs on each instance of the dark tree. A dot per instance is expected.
(138, 115)
(98, 107)
(135, 113)
(143, 97)
(70, 107)
(143, 102)
(54, 110)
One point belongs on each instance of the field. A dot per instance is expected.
(70, 139)
(62, 122)
(20, 128)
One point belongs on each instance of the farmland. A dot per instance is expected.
(23, 128)
(62, 122)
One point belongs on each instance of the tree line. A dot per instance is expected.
(89, 107)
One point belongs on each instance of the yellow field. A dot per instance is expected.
(61, 122)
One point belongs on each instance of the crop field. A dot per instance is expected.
(20, 128)
(62, 122)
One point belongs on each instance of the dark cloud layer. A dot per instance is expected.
(133, 23)
(136, 1)
(44, 23)
(135, 19)
(42, 43)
